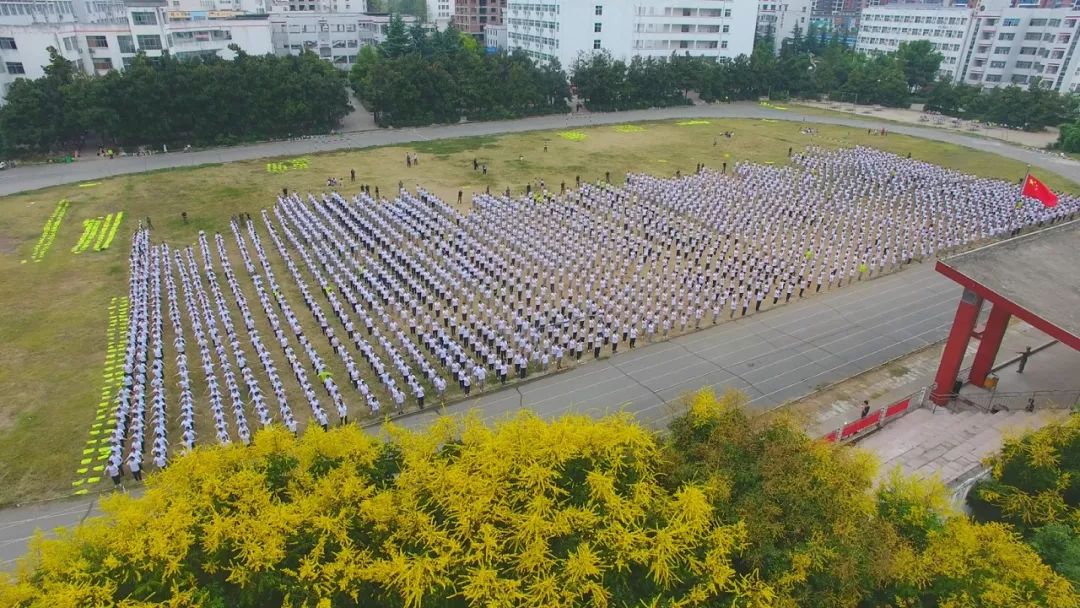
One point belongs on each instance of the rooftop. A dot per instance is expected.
(1038, 272)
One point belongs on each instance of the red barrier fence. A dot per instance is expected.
(878, 418)
(860, 425)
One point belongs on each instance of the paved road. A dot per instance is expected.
(775, 357)
(40, 176)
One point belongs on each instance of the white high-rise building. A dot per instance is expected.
(994, 45)
(309, 6)
(948, 29)
(1023, 45)
(564, 29)
(779, 19)
(102, 35)
(336, 37)
(440, 13)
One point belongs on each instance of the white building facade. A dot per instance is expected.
(1020, 46)
(564, 29)
(993, 46)
(780, 19)
(440, 13)
(883, 28)
(335, 37)
(98, 36)
(309, 6)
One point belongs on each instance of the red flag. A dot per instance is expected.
(1037, 190)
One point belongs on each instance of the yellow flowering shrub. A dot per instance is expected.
(525, 513)
(726, 510)
(1035, 479)
(821, 534)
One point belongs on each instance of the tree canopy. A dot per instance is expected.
(725, 510)
(417, 78)
(200, 101)
(1032, 110)
(1034, 486)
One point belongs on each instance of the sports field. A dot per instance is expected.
(65, 264)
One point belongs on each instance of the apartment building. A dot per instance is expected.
(472, 16)
(1021, 45)
(440, 13)
(336, 37)
(883, 28)
(564, 29)
(102, 35)
(779, 19)
(308, 6)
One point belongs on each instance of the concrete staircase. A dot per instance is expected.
(949, 443)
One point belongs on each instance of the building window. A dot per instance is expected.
(726, 29)
(597, 27)
(102, 63)
(599, 10)
(97, 42)
(992, 77)
(1027, 50)
(997, 64)
(126, 44)
(1007, 36)
(127, 61)
(595, 44)
(1001, 50)
(8, 44)
(150, 43)
(684, 44)
(727, 12)
(142, 18)
(723, 44)
(15, 68)
(1038, 22)
(1005, 22)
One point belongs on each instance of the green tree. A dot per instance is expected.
(398, 42)
(1059, 546)
(920, 63)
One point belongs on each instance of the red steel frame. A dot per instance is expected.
(967, 313)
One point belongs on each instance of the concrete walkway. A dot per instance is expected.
(41, 176)
(776, 356)
(950, 442)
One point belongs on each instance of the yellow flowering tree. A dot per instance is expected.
(726, 510)
(527, 513)
(1035, 479)
(822, 535)
(1035, 487)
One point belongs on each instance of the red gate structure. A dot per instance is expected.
(1034, 277)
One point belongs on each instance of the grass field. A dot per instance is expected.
(53, 313)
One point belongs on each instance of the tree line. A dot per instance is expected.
(417, 77)
(166, 100)
(724, 510)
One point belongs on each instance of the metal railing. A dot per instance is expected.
(879, 418)
(994, 401)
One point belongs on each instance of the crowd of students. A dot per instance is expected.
(412, 296)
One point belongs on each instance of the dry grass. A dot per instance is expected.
(53, 313)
